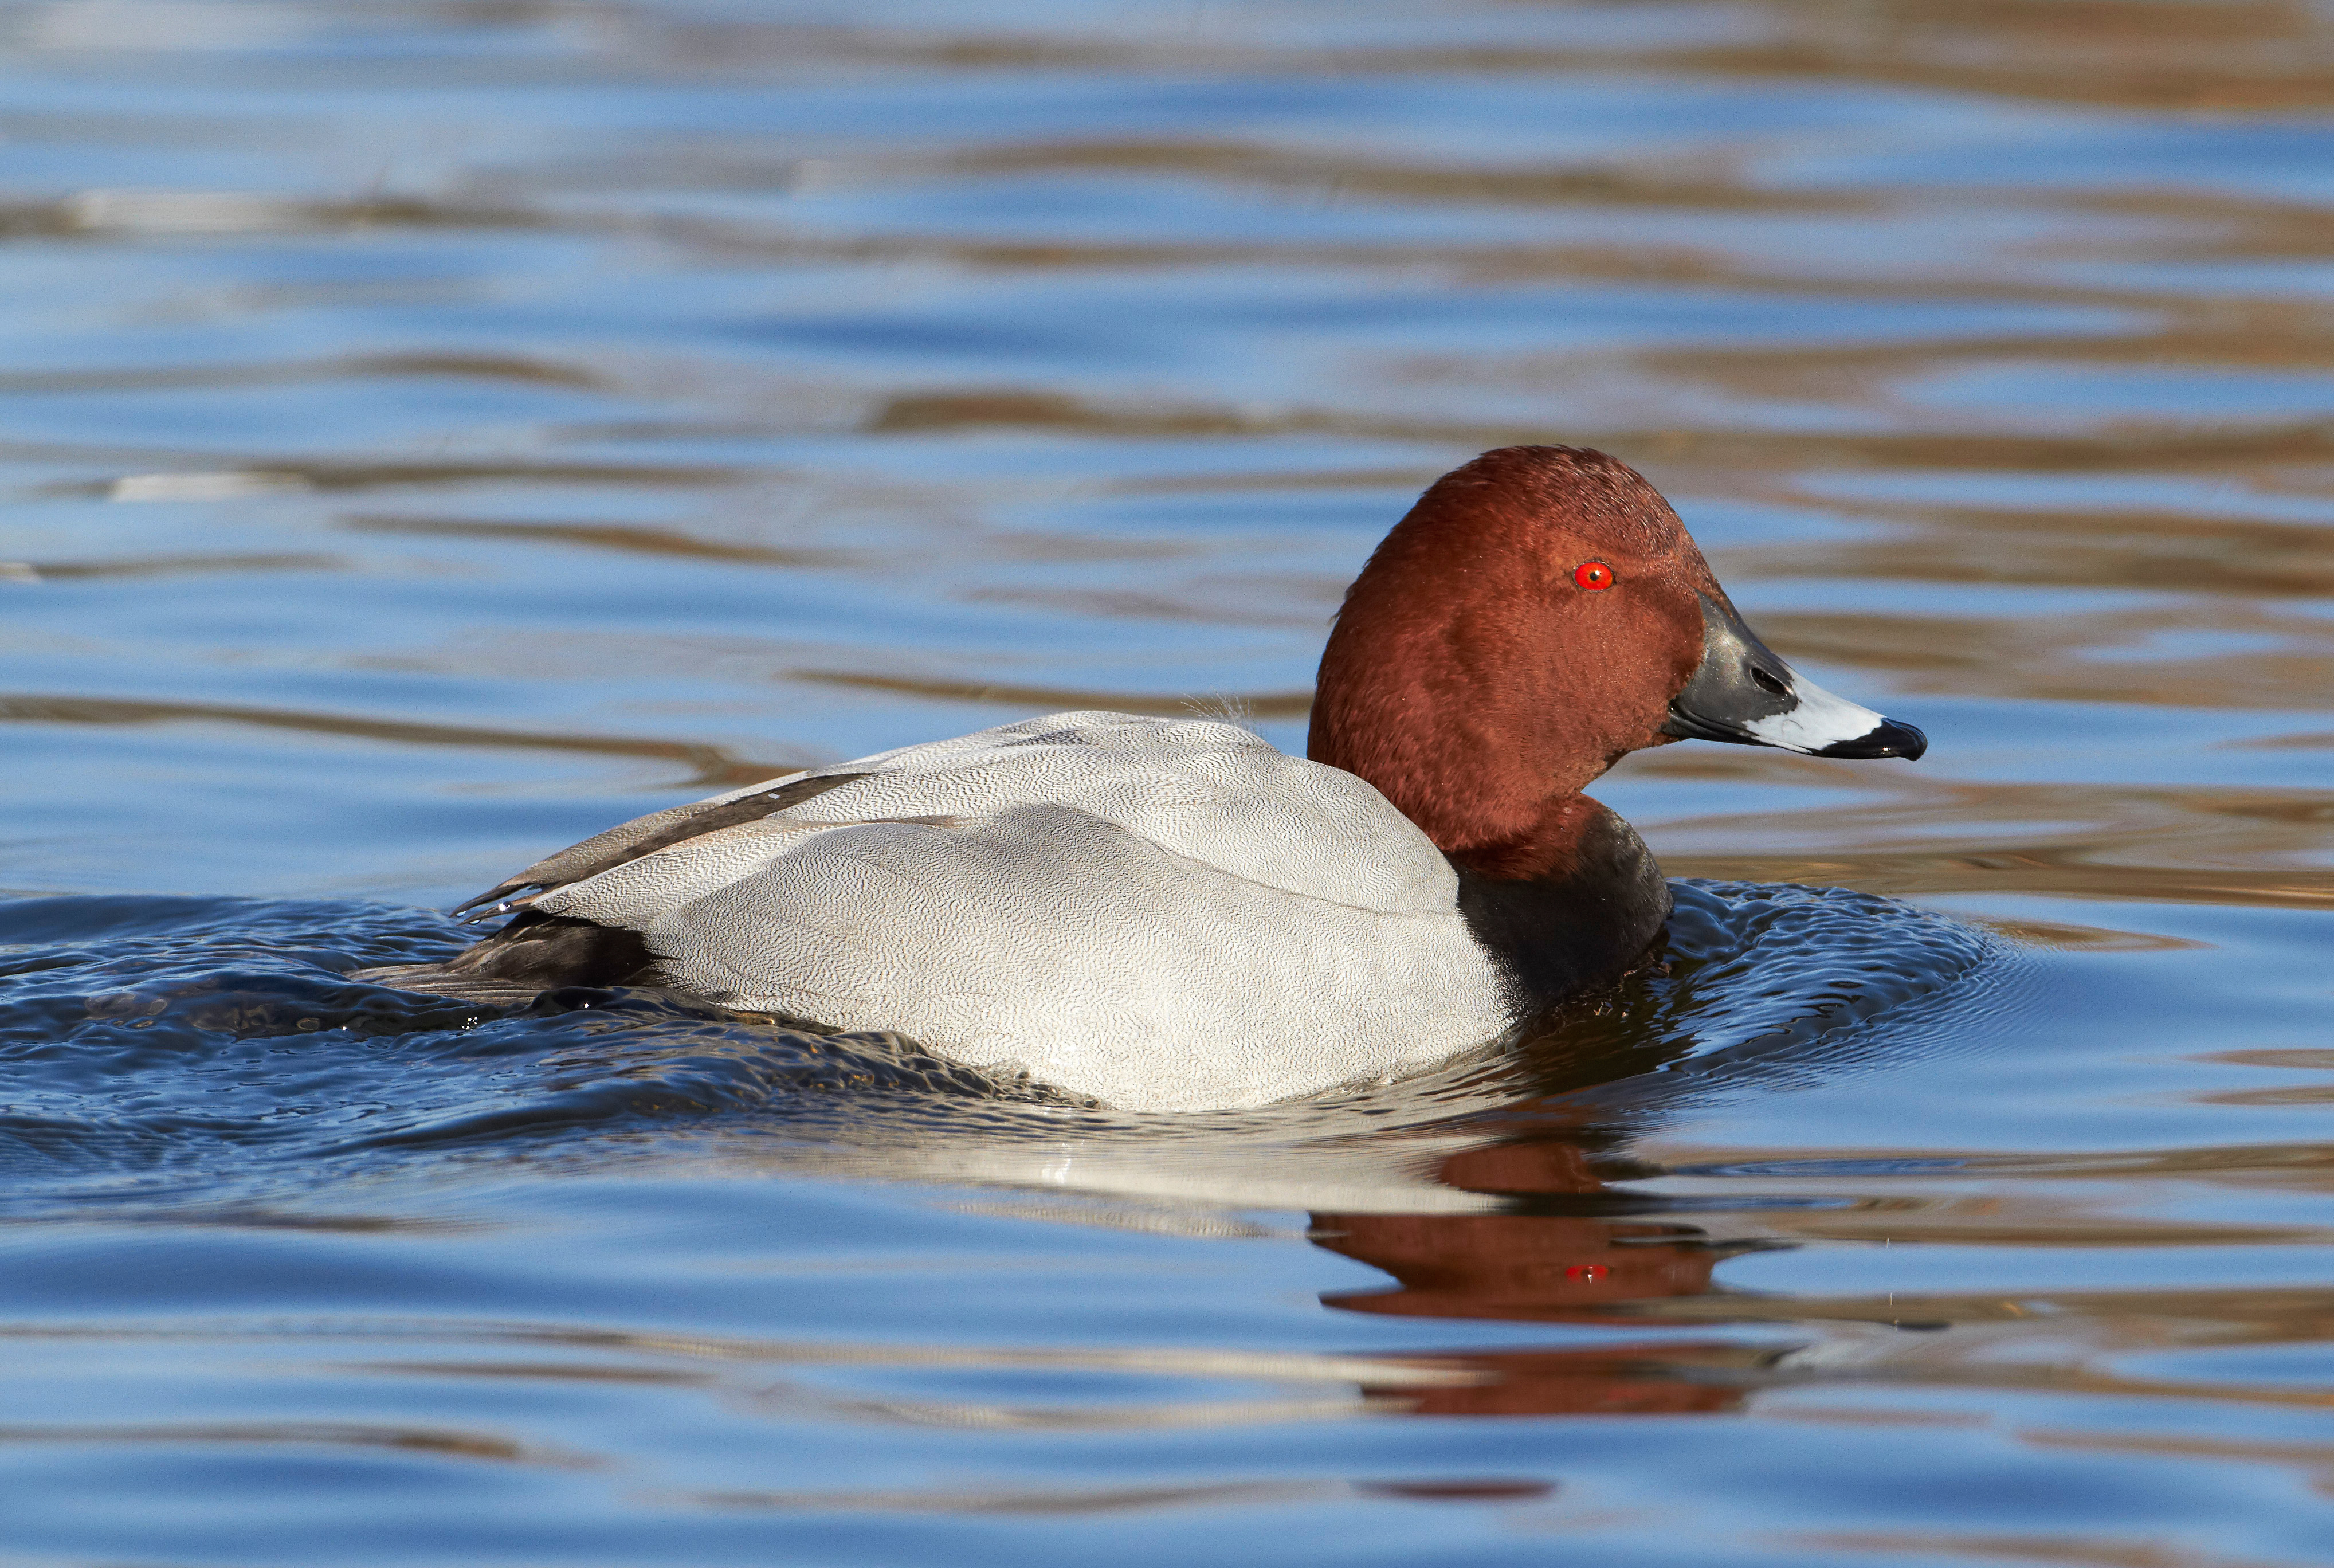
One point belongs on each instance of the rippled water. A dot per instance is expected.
(431, 433)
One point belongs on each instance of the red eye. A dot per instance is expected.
(1592, 576)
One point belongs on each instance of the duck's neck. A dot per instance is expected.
(1495, 805)
(1557, 889)
(1549, 847)
(1459, 751)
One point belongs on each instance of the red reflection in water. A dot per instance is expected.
(1542, 1268)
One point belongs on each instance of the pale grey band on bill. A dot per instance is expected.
(1744, 692)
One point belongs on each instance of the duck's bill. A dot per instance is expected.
(1744, 692)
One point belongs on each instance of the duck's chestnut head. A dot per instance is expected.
(1540, 614)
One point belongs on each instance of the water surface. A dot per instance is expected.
(430, 432)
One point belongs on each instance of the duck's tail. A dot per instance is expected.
(532, 954)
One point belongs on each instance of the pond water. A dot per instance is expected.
(431, 432)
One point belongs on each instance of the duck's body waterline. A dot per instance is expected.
(1173, 914)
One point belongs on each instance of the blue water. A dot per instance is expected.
(431, 433)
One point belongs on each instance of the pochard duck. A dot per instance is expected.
(1171, 913)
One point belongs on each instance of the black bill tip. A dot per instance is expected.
(1890, 740)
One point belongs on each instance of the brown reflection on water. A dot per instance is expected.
(434, 1441)
(1542, 1268)
(1927, 835)
(2045, 1339)
(113, 214)
(163, 378)
(620, 539)
(1221, 601)
(2155, 551)
(708, 766)
(2268, 55)
(1550, 1268)
(1650, 1271)
(2069, 1551)
(2290, 1166)
(165, 567)
(2134, 446)
(2257, 55)
(1057, 699)
(1070, 1503)
(2099, 656)
(1291, 171)
(211, 476)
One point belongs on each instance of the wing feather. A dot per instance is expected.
(646, 836)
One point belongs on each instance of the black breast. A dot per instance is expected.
(1552, 935)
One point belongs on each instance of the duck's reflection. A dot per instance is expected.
(1543, 1267)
